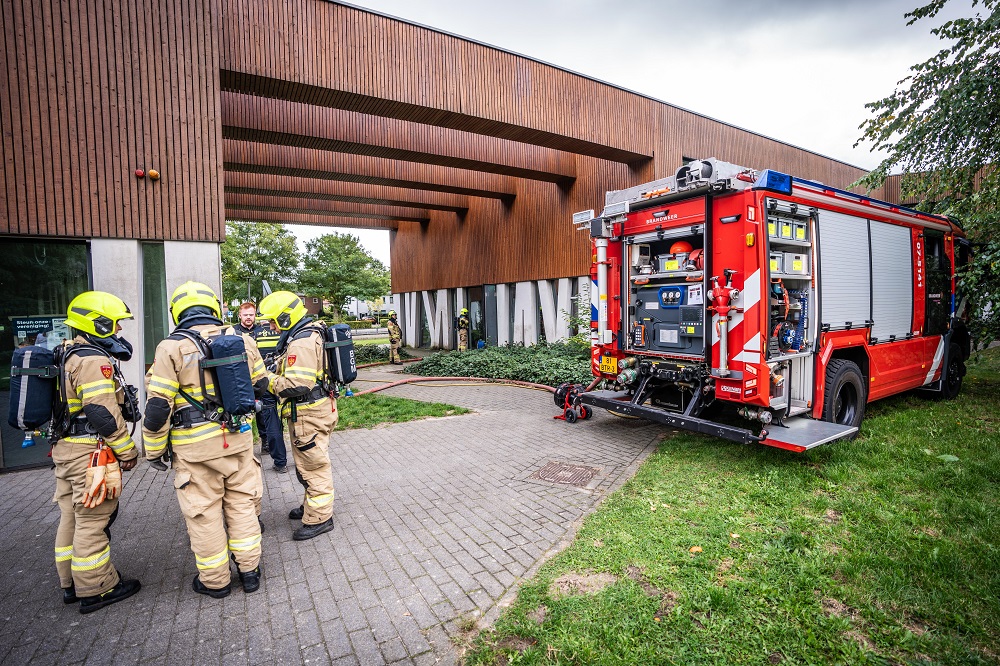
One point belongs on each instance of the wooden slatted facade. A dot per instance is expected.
(316, 112)
(91, 91)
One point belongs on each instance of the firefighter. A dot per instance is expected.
(272, 440)
(395, 338)
(91, 388)
(311, 413)
(463, 329)
(217, 478)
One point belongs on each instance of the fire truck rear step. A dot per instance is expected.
(801, 434)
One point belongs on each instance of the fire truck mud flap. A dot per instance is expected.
(802, 434)
(618, 402)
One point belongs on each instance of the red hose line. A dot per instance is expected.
(484, 380)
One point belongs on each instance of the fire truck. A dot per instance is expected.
(764, 308)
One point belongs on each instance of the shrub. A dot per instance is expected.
(374, 353)
(544, 363)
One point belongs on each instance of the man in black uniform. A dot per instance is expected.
(268, 422)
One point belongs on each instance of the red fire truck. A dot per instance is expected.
(759, 307)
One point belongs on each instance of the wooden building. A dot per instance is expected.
(314, 112)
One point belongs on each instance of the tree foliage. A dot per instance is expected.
(337, 267)
(940, 130)
(256, 252)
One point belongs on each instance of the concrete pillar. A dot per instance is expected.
(200, 262)
(117, 267)
(439, 319)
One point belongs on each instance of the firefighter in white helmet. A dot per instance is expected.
(311, 413)
(395, 339)
(217, 477)
(92, 422)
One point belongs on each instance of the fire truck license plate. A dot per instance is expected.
(609, 364)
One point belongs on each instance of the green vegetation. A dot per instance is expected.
(377, 352)
(368, 411)
(336, 267)
(880, 550)
(939, 129)
(550, 364)
(256, 252)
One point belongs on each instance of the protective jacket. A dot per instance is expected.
(395, 332)
(176, 372)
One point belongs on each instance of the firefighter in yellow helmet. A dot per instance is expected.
(217, 477)
(395, 339)
(463, 330)
(90, 427)
(310, 411)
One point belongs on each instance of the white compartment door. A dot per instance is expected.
(845, 271)
(892, 281)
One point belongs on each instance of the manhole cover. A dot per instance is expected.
(572, 475)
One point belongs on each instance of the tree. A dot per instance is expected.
(941, 131)
(337, 267)
(254, 252)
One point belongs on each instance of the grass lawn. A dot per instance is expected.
(371, 341)
(367, 411)
(882, 550)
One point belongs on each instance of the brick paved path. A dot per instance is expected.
(437, 521)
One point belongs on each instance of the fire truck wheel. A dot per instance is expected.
(570, 415)
(845, 394)
(952, 380)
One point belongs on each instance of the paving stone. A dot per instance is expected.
(435, 519)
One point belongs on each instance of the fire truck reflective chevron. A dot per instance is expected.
(787, 303)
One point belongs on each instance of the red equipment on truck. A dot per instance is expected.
(783, 301)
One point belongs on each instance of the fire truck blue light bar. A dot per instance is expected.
(774, 181)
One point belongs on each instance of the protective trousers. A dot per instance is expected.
(217, 496)
(310, 436)
(463, 339)
(394, 352)
(83, 538)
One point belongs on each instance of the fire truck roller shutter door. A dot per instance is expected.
(845, 278)
(892, 281)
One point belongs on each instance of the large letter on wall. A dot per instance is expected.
(555, 308)
(503, 314)
(438, 318)
(411, 318)
(525, 313)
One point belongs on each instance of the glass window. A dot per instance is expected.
(38, 279)
(154, 299)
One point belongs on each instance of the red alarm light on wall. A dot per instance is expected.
(139, 173)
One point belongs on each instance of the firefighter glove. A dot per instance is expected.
(103, 478)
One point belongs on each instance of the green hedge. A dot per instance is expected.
(374, 353)
(550, 364)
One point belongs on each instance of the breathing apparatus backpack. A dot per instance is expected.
(225, 358)
(36, 380)
(339, 365)
(33, 374)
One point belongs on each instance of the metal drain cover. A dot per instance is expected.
(571, 475)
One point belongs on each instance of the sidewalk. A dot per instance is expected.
(436, 521)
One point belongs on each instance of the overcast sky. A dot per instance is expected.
(799, 72)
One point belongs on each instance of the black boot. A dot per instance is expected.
(261, 523)
(251, 580)
(123, 590)
(200, 588)
(69, 594)
(310, 531)
(297, 513)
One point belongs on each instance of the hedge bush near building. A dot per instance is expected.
(544, 363)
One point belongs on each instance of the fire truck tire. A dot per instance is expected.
(845, 394)
(951, 383)
(570, 415)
